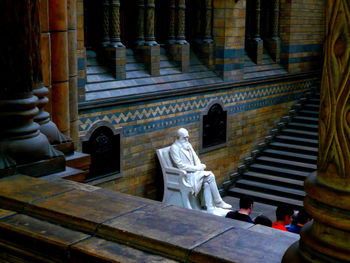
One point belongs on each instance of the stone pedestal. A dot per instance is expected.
(274, 48)
(256, 49)
(117, 61)
(151, 58)
(181, 55)
(208, 54)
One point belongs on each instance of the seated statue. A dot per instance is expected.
(185, 158)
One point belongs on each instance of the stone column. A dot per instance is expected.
(58, 21)
(181, 48)
(73, 70)
(208, 47)
(116, 52)
(106, 19)
(45, 50)
(140, 23)
(326, 238)
(81, 50)
(151, 48)
(23, 148)
(150, 38)
(59, 64)
(199, 23)
(42, 90)
(274, 43)
(171, 37)
(256, 43)
(208, 37)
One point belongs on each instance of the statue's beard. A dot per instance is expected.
(185, 145)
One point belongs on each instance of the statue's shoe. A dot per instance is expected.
(224, 205)
(217, 211)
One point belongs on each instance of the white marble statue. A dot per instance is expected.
(185, 158)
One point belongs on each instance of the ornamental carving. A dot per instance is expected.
(334, 130)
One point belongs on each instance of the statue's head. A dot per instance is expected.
(182, 135)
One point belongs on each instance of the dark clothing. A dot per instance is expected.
(238, 216)
(294, 229)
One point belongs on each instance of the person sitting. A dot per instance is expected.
(245, 209)
(185, 158)
(263, 220)
(301, 219)
(284, 217)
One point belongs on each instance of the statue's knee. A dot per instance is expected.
(210, 178)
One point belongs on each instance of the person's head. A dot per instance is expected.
(303, 217)
(285, 214)
(263, 220)
(246, 202)
(182, 136)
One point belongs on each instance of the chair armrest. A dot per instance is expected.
(175, 170)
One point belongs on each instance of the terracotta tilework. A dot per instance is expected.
(150, 125)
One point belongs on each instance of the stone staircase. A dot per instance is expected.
(276, 172)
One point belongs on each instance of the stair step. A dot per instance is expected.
(279, 171)
(311, 106)
(291, 156)
(271, 189)
(265, 198)
(301, 133)
(303, 119)
(287, 163)
(69, 173)
(79, 160)
(314, 100)
(312, 150)
(303, 126)
(297, 140)
(309, 113)
(294, 148)
(273, 179)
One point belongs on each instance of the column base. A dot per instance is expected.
(326, 238)
(180, 53)
(116, 56)
(274, 48)
(256, 49)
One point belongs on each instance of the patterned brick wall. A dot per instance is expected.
(81, 50)
(147, 126)
(302, 34)
(229, 35)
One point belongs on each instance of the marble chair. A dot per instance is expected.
(176, 190)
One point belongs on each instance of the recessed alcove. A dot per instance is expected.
(103, 143)
(213, 127)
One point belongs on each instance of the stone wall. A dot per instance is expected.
(149, 125)
(302, 34)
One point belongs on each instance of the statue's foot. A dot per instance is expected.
(217, 211)
(224, 205)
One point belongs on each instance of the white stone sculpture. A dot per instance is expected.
(195, 177)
